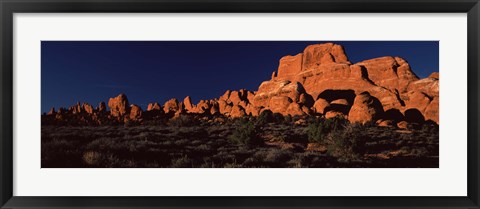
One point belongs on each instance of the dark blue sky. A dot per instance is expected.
(149, 71)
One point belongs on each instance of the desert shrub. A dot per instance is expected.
(270, 158)
(280, 137)
(429, 128)
(182, 162)
(92, 158)
(246, 133)
(318, 130)
(265, 117)
(287, 119)
(277, 157)
(347, 144)
(127, 123)
(184, 121)
(278, 118)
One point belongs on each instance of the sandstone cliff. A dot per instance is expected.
(318, 81)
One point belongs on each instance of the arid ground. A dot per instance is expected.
(270, 141)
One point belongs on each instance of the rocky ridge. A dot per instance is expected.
(320, 81)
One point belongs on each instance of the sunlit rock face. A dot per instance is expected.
(318, 81)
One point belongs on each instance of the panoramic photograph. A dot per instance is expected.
(240, 104)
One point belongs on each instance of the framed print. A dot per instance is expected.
(237, 104)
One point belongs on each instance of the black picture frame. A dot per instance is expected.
(9, 7)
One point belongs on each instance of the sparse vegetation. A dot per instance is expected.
(265, 117)
(239, 143)
(246, 133)
(319, 129)
(348, 144)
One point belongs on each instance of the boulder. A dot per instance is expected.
(431, 112)
(402, 125)
(414, 116)
(306, 100)
(334, 114)
(386, 123)
(237, 111)
(320, 105)
(365, 108)
(252, 110)
(279, 104)
(270, 89)
(307, 110)
(417, 100)
(294, 109)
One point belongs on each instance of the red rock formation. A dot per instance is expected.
(294, 109)
(171, 106)
(320, 105)
(101, 107)
(237, 111)
(135, 112)
(289, 66)
(75, 109)
(385, 123)
(119, 105)
(431, 111)
(340, 102)
(434, 75)
(153, 106)
(214, 109)
(270, 89)
(252, 110)
(393, 73)
(365, 108)
(202, 107)
(334, 114)
(320, 80)
(51, 112)
(417, 100)
(234, 98)
(222, 107)
(306, 100)
(88, 108)
(402, 125)
(225, 96)
(188, 103)
(279, 104)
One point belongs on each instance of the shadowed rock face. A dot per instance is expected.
(320, 81)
